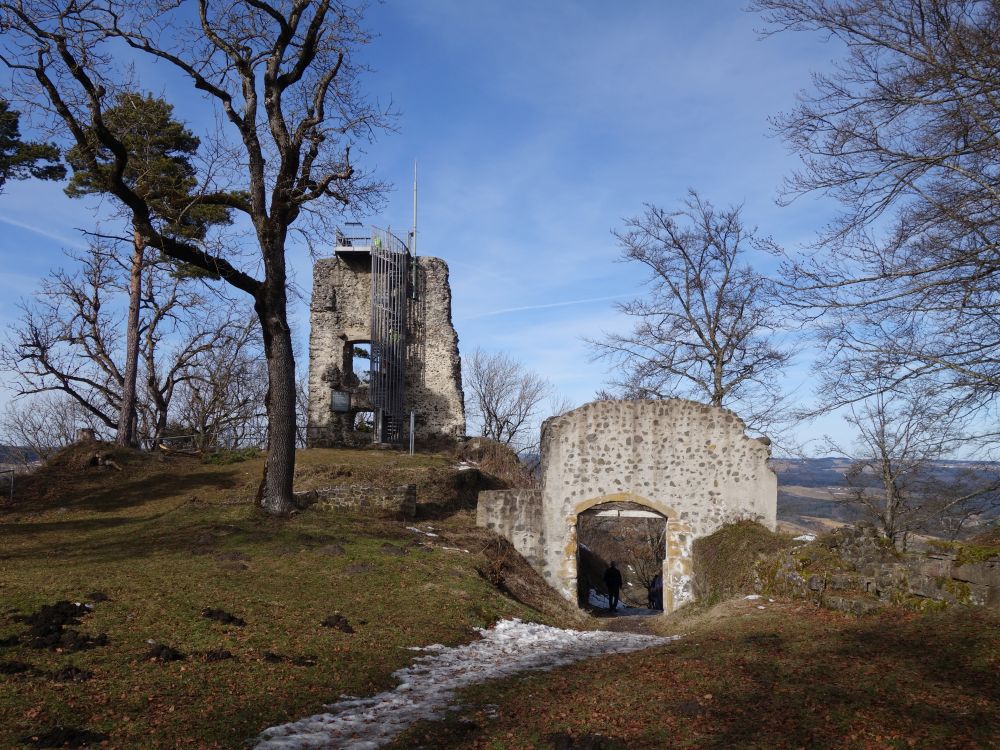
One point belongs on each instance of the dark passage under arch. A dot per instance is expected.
(630, 534)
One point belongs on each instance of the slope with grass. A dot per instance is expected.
(157, 543)
(208, 622)
(747, 674)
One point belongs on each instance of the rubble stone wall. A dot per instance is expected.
(394, 502)
(692, 463)
(341, 317)
(516, 515)
(869, 575)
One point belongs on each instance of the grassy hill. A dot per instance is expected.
(165, 539)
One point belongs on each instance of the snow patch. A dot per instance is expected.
(427, 688)
(805, 538)
(600, 601)
(415, 530)
(751, 597)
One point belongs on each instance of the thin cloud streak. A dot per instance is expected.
(43, 232)
(567, 303)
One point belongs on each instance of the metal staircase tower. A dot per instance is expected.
(386, 387)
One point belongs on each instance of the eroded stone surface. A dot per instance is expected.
(341, 318)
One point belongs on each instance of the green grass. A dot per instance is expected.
(165, 539)
(790, 676)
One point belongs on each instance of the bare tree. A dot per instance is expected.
(70, 338)
(708, 328)
(67, 338)
(41, 424)
(301, 410)
(285, 83)
(645, 545)
(904, 132)
(504, 397)
(221, 399)
(902, 437)
(159, 169)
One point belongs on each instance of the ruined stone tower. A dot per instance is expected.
(382, 345)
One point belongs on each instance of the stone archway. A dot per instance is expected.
(676, 569)
(689, 462)
(629, 534)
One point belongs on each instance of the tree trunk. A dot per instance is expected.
(127, 416)
(271, 307)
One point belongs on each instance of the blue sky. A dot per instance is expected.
(537, 128)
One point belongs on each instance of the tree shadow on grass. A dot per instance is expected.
(110, 535)
(877, 678)
(108, 492)
(947, 647)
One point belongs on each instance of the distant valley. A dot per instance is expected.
(812, 491)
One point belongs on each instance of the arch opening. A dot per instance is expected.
(632, 535)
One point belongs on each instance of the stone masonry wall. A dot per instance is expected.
(516, 515)
(395, 502)
(689, 462)
(854, 570)
(341, 317)
(434, 367)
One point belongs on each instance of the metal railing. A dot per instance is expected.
(390, 266)
(354, 236)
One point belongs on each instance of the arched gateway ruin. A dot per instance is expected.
(691, 463)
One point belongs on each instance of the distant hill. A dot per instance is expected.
(12, 454)
(812, 491)
(829, 472)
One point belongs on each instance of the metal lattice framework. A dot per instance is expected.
(386, 388)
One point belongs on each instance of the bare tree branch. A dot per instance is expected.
(708, 327)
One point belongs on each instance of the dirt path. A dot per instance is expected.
(643, 624)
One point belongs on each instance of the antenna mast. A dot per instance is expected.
(413, 238)
(413, 244)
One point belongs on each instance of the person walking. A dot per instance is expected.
(656, 592)
(613, 580)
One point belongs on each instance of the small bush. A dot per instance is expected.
(498, 460)
(967, 553)
(988, 538)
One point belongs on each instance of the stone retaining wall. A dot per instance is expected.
(872, 576)
(392, 502)
(516, 515)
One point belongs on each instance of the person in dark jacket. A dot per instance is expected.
(613, 580)
(656, 592)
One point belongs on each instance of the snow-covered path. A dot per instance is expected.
(428, 686)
